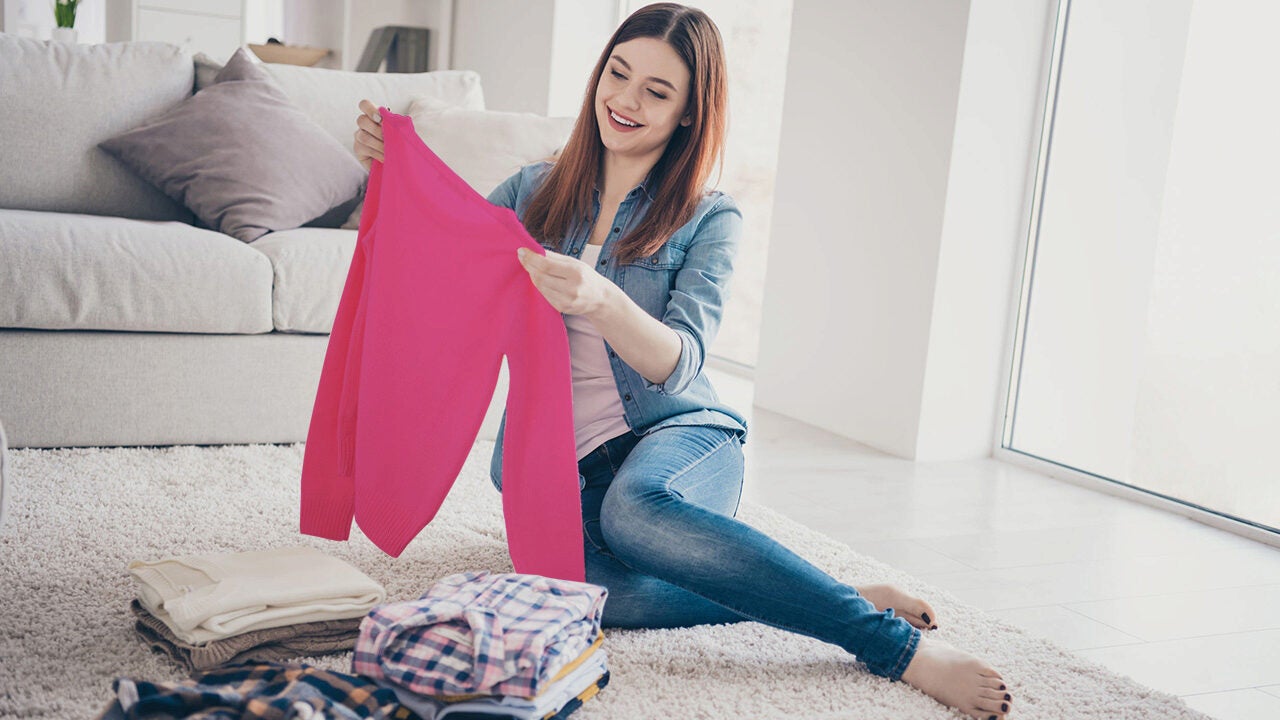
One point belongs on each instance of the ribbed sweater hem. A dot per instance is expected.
(327, 515)
(391, 524)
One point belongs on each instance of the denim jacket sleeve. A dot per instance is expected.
(505, 194)
(700, 291)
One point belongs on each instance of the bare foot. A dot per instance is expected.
(957, 679)
(912, 609)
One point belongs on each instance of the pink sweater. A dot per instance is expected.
(434, 297)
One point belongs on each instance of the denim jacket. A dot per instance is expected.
(684, 285)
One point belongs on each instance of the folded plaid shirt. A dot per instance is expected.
(262, 691)
(481, 633)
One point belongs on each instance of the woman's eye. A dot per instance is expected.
(656, 94)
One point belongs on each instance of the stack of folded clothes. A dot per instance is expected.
(506, 645)
(210, 610)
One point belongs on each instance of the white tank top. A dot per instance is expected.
(597, 408)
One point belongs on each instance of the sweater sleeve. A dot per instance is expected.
(540, 492)
(328, 483)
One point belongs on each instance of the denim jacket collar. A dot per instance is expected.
(644, 185)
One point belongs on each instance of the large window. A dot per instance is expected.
(1149, 332)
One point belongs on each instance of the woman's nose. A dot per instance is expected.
(628, 99)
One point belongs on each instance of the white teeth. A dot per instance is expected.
(614, 115)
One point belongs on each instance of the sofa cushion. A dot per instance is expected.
(69, 271)
(310, 267)
(332, 97)
(58, 101)
(243, 158)
(484, 147)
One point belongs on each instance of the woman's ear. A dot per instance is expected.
(687, 120)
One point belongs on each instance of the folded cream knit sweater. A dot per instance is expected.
(211, 597)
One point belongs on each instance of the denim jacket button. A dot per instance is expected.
(627, 396)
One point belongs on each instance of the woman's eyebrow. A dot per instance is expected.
(655, 79)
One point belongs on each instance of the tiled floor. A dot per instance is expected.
(1175, 604)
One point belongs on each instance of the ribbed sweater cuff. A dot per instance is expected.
(327, 515)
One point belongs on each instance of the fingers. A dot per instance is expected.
(371, 110)
(370, 138)
(368, 144)
(553, 264)
(548, 285)
(367, 147)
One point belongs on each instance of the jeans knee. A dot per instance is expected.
(629, 514)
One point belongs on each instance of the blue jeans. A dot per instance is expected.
(659, 532)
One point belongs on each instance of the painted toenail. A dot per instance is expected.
(926, 617)
(1001, 687)
(933, 627)
(1004, 707)
(993, 717)
(1007, 696)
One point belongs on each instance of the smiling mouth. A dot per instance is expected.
(611, 111)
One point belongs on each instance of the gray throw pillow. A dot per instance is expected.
(242, 157)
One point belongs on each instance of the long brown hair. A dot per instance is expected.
(679, 176)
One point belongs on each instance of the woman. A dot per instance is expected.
(639, 260)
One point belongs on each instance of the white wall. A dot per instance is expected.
(993, 161)
(908, 132)
(532, 55)
(509, 43)
(579, 31)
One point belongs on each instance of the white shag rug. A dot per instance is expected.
(76, 517)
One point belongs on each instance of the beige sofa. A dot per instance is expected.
(122, 321)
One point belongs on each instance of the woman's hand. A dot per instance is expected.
(570, 285)
(368, 138)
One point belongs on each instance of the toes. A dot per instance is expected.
(923, 621)
(994, 700)
(996, 695)
(928, 614)
(999, 707)
(994, 684)
(915, 620)
(918, 612)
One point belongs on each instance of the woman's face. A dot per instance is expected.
(645, 82)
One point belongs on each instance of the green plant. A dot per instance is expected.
(64, 11)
